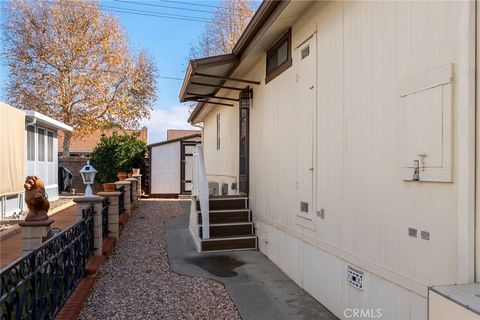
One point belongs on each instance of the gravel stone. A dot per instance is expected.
(136, 281)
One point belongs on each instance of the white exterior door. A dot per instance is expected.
(305, 128)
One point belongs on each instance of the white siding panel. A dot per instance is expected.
(365, 52)
(165, 171)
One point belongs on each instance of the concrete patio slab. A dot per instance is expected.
(259, 289)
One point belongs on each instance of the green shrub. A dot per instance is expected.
(117, 153)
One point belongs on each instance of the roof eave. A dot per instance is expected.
(195, 135)
(259, 20)
(46, 120)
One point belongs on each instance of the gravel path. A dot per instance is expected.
(136, 282)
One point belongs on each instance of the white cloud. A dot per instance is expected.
(163, 119)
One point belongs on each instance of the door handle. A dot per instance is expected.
(311, 169)
(312, 87)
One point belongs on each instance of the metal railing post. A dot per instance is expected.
(201, 190)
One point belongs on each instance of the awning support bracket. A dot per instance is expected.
(219, 103)
(215, 86)
(226, 78)
(196, 96)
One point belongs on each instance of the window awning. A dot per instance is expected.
(206, 76)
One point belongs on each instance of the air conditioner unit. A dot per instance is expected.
(213, 188)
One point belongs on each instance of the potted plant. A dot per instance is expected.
(130, 174)
(122, 175)
(109, 186)
(136, 170)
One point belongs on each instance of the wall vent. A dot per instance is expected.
(355, 278)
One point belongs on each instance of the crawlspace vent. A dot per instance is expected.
(355, 278)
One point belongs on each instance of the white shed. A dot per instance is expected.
(171, 166)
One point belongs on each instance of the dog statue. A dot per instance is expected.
(36, 199)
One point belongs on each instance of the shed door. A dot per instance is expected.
(305, 111)
(186, 167)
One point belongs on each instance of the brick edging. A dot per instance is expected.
(74, 304)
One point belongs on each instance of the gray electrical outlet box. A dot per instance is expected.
(412, 232)
(321, 213)
(304, 206)
(425, 235)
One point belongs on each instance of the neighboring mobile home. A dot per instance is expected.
(170, 165)
(351, 128)
(29, 147)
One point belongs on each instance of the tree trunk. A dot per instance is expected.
(66, 143)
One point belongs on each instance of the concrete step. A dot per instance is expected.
(226, 203)
(226, 216)
(229, 243)
(229, 229)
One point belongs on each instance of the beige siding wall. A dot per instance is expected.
(222, 165)
(365, 50)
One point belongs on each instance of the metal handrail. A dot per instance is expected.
(36, 285)
(200, 189)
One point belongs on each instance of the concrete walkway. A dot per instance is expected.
(259, 289)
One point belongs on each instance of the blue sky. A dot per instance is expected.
(168, 42)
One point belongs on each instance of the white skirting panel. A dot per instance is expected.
(324, 276)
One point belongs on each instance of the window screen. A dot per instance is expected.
(50, 146)
(31, 143)
(41, 144)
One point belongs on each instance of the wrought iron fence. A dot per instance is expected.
(105, 218)
(121, 200)
(36, 285)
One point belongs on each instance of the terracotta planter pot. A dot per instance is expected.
(109, 187)
(121, 176)
(136, 171)
(129, 175)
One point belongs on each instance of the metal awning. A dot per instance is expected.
(206, 76)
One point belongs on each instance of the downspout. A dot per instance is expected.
(476, 160)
